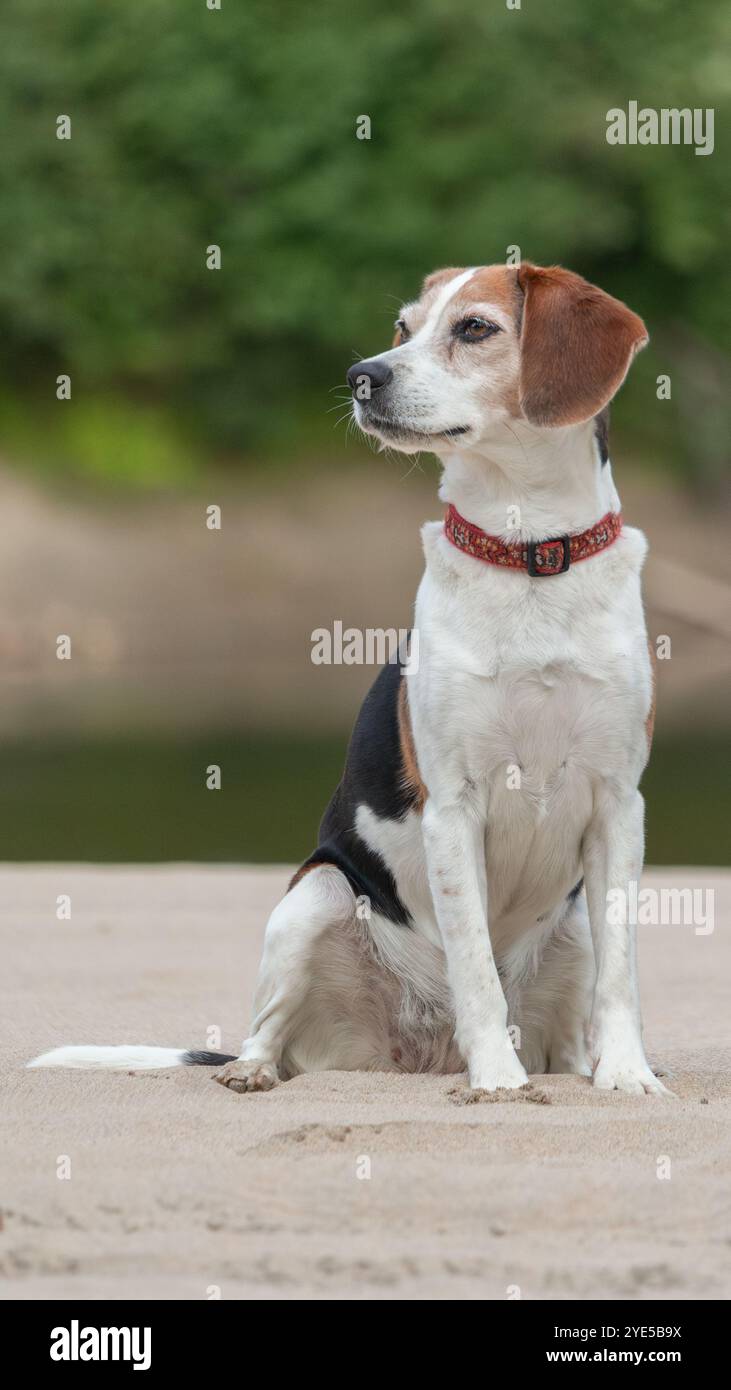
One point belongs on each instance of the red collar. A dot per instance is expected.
(539, 558)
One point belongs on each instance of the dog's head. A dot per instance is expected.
(492, 344)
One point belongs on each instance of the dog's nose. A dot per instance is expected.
(377, 373)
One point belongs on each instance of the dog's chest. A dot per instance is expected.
(530, 690)
(524, 703)
(526, 748)
(534, 730)
(532, 723)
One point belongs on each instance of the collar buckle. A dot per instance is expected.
(548, 557)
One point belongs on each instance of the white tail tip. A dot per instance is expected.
(124, 1058)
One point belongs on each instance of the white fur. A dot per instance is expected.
(122, 1058)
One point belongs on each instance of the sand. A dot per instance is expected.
(179, 1189)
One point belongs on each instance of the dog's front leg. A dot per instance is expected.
(613, 854)
(454, 840)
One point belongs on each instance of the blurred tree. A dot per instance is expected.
(238, 127)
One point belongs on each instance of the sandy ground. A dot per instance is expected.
(180, 1189)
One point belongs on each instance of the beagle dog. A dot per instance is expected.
(455, 912)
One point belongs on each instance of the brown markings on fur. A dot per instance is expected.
(304, 869)
(440, 277)
(576, 346)
(495, 284)
(650, 721)
(498, 285)
(576, 342)
(418, 308)
(410, 767)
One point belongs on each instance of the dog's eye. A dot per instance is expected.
(473, 329)
(402, 333)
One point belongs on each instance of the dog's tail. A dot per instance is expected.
(126, 1058)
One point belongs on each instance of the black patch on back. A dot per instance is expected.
(373, 776)
(601, 430)
(206, 1059)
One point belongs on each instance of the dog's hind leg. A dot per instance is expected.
(551, 995)
(319, 901)
(570, 970)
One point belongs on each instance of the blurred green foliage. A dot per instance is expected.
(238, 127)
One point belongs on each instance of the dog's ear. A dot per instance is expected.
(576, 345)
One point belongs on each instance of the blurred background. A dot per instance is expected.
(193, 387)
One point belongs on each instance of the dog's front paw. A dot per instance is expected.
(499, 1070)
(633, 1076)
(248, 1075)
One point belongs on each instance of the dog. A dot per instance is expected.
(455, 912)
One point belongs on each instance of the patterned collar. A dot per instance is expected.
(539, 558)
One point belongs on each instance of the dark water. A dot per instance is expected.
(139, 800)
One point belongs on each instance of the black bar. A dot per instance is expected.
(196, 1337)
